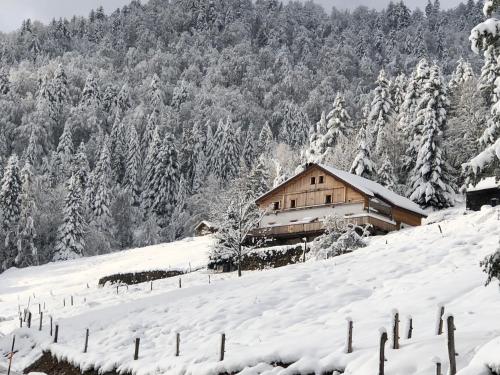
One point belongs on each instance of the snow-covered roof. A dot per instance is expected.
(485, 183)
(373, 189)
(367, 187)
(205, 222)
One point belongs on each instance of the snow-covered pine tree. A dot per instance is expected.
(153, 124)
(156, 94)
(489, 73)
(381, 111)
(132, 165)
(10, 207)
(80, 166)
(462, 74)
(410, 123)
(4, 82)
(27, 253)
(294, 125)
(123, 99)
(65, 149)
(60, 94)
(484, 37)
(118, 147)
(430, 183)
(312, 154)
(398, 92)
(265, 139)
(258, 179)
(338, 125)
(10, 194)
(200, 172)
(149, 169)
(363, 165)
(385, 174)
(225, 156)
(71, 233)
(90, 94)
(248, 151)
(102, 187)
(166, 181)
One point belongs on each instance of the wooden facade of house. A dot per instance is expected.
(295, 209)
(486, 192)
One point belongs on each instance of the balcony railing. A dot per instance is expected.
(317, 227)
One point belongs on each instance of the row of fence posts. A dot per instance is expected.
(349, 343)
(450, 327)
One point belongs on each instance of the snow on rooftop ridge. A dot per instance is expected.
(485, 183)
(373, 188)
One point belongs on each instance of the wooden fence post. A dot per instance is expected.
(41, 321)
(180, 283)
(151, 286)
(39, 308)
(177, 343)
(383, 340)
(222, 346)
(437, 361)
(64, 302)
(11, 354)
(349, 335)
(20, 322)
(86, 346)
(439, 323)
(451, 345)
(56, 333)
(209, 279)
(29, 319)
(71, 300)
(136, 351)
(395, 329)
(410, 327)
(51, 325)
(117, 289)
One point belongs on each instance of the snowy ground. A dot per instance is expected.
(294, 314)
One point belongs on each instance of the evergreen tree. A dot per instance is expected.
(90, 94)
(294, 125)
(462, 74)
(385, 174)
(118, 148)
(258, 179)
(102, 180)
(10, 208)
(70, 236)
(411, 123)
(484, 37)
(363, 165)
(80, 166)
(10, 194)
(27, 253)
(156, 94)
(248, 151)
(4, 82)
(132, 165)
(149, 171)
(60, 94)
(381, 111)
(338, 125)
(430, 184)
(265, 139)
(166, 181)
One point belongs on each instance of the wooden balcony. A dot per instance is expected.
(316, 228)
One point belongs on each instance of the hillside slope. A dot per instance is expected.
(294, 314)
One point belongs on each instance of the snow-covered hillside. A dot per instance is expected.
(294, 314)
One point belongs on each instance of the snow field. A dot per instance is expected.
(295, 314)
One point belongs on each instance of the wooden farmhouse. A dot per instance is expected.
(485, 192)
(204, 228)
(295, 208)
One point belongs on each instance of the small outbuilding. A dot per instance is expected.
(485, 192)
(204, 228)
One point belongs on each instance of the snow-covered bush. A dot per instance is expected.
(491, 266)
(339, 238)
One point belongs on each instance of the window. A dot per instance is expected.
(276, 205)
(321, 179)
(313, 180)
(293, 203)
(328, 199)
